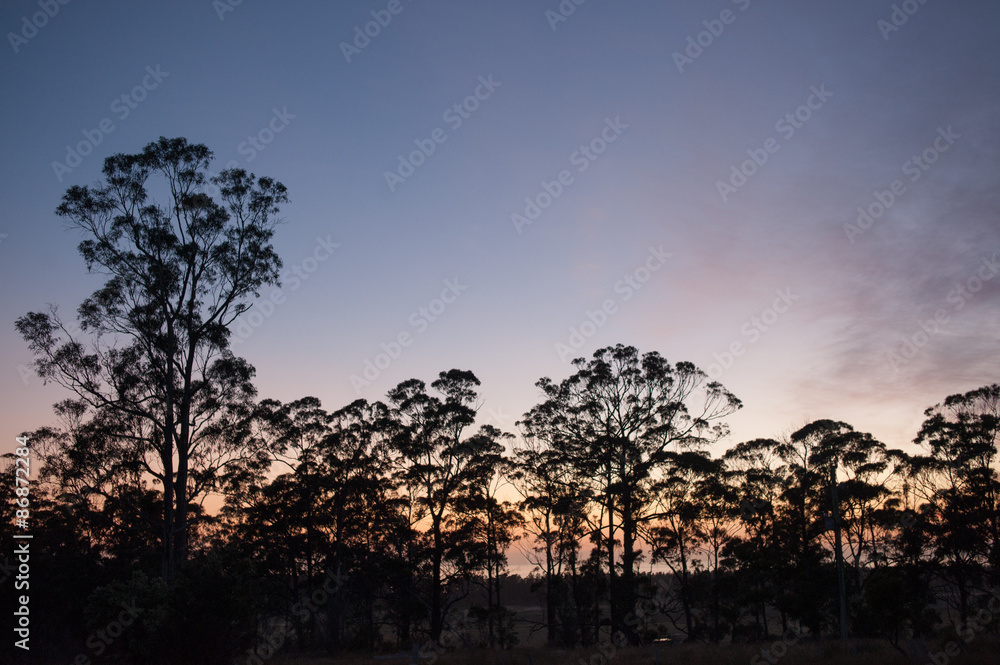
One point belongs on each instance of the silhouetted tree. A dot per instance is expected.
(437, 463)
(488, 526)
(962, 435)
(178, 275)
(617, 419)
(717, 497)
(678, 531)
(369, 522)
(758, 473)
(554, 506)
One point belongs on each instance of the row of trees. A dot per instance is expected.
(167, 484)
(403, 502)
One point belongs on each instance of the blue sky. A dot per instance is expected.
(833, 104)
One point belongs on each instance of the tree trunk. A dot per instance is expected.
(180, 528)
(715, 594)
(167, 568)
(550, 600)
(436, 556)
(685, 599)
(628, 591)
(490, 578)
(612, 577)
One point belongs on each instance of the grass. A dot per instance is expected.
(981, 651)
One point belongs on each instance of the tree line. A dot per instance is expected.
(237, 526)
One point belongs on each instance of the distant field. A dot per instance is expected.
(982, 651)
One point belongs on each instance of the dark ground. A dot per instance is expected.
(983, 650)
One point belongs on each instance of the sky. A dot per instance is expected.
(799, 197)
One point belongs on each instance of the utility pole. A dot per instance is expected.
(838, 552)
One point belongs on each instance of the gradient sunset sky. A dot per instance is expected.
(684, 177)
